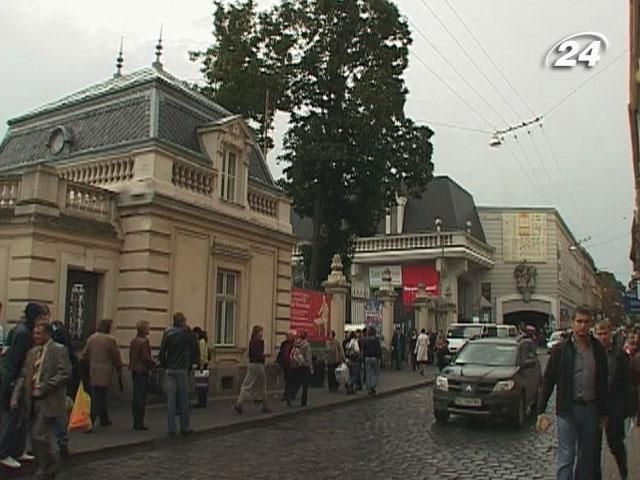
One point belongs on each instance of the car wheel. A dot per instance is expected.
(520, 414)
(442, 416)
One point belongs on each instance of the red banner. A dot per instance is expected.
(412, 275)
(311, 313)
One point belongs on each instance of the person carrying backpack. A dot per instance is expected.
(301, 369)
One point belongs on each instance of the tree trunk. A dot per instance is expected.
(316, 242)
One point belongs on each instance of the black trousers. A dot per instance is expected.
(615, 439)
(332, 381)
(99, 405)
(139, 400)
(299, 377)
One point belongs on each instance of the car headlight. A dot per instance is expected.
(442, 383)
(504, 386)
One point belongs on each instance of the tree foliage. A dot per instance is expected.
(336, 67)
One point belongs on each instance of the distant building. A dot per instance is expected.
(138, 197)
(541, 273)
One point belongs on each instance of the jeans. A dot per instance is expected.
(577, 436)
(177, 382)
(372, 367)
(13, 441)
(615, 439)
(139, 400)
(60, 431)
(354, 373)
(99, 405)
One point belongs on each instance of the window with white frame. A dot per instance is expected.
(228, 177)
(226, 306)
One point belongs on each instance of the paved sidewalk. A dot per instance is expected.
(217, 417)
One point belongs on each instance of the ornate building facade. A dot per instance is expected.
(138, 197)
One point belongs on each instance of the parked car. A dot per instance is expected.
(460, 333)
(491, 377)
(554, 339)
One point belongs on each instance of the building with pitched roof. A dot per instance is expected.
(138, 197)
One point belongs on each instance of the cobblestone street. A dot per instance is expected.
(392, 437)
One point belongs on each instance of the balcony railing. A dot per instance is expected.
(262, 202)
(102, 172)
(424, 241)
(88, 201)
(190, 177)
(9, 187)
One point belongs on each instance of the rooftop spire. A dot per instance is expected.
(119, 61)
(158, 64)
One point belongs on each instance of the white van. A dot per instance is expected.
(459, 333)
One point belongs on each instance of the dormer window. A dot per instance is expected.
(229, 175)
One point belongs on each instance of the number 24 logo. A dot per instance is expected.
(576, 51)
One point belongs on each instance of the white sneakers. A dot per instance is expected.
(25, 457)
(10, 462)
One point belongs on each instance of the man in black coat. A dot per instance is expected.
(619, 391)
(578, 369)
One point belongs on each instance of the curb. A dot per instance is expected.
(147, 445)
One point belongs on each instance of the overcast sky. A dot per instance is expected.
(53, 47)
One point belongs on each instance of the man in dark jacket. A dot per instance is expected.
(178, 352)
(619, 392)
(578, 369)
(13, 439)
(397, 347)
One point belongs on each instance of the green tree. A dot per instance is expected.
(336, 68)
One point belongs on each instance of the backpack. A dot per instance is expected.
(295, 357)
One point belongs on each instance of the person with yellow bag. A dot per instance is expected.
(41, 391)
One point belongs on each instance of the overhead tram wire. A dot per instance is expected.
(551, 186)
(453, 125)
(455, 69)
(533, 170)
(585, 82)
(471, 59)
(488, 56)
(524, 102)
(460, 97)
(526, 172)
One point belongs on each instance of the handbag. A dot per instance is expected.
(201, 378)
(80, 418)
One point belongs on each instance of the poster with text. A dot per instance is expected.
(311, 313)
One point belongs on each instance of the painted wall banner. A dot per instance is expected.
(375, 275)
(412, 275)
(373, 314)
(631, 303)
(311, 313)
(524, 237)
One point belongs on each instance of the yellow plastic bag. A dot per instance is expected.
(80, 418)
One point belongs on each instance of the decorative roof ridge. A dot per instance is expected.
(119, 84)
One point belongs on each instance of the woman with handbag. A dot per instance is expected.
(201, 375)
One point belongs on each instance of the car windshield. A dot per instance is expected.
(464, 331)
(487, 354)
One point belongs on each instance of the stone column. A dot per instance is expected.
(422, 308)
(387, 296)
(337, 286)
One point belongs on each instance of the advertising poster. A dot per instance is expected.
(311, 312)
(373, 315)
(412, 275)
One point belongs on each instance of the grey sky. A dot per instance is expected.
(54, 47)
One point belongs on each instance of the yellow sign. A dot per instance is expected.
(524, 237)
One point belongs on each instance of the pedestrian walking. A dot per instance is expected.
(40, 392)
(619, 392)
(60, 335)
(361, 334)
(178, 352)
(578, 370)
(398, 342)
(353, 362)
(335, 356)
(103, 357)
(255, 381)
(441, 350)
(13, 439)
(141, 364)
(422, 351)
(372, 354)
(433, 336)
(201, 375)
(301, 369)
(284, 362)
(412, 349)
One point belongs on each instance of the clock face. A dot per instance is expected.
(57, 142)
